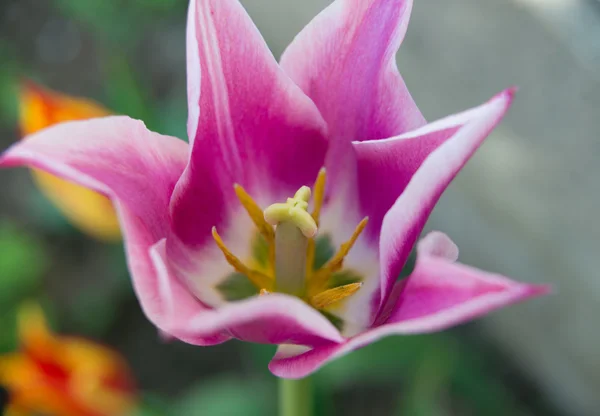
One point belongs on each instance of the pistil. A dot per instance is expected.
(294, 227)
(290, 230)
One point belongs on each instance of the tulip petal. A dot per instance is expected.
(344, 60)
(440, 293)
(120, 158)
(269, 319)
(437, 295)
(404, 221)
(87, 210)
(178, 304)
(248, 122)
(385, 167)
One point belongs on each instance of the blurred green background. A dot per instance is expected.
(130, 56)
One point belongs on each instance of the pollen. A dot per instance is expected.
(290, 232)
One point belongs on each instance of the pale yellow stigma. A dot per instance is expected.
(289, 230)
(294, 210)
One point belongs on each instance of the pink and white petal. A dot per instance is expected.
(404, 221)
(202, 267)
(436, 244)
(178, 304)
(438, 294)
(385, 167)
(269, 319)
(249, 123)
(338, 222)
(136, 168)
(344, 60)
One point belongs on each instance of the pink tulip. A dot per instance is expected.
(259, 133)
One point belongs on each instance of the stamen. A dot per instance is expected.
(258, 218)
(319, 279)
(263, 292)
(331, 296)
(258, 279)
(255, 213)
(319, 194)
(319, 190)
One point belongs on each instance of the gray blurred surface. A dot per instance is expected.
(526, 205)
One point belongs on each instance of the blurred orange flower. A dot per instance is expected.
(90, 211)
(63, 376)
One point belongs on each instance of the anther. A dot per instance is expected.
(255, 213)
(331, 296)
(257, 278)
(320, 277)
(319, 195)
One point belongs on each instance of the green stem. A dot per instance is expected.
(295, 397)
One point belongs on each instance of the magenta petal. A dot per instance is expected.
(438, 244)
(344, 60)
(177, 304)
(136, 168)
(437, 295)
(269, 319)
(248, 122)
(404, 221)
(385, 167)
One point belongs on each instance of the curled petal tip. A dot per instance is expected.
(540, 290)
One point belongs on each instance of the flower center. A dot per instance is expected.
(290, 233)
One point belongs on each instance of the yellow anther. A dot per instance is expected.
(263, 292)
(258, 279)
(319, 195)
(320, 277)
(258, 218)
(255, 213)
(294, 211)
(331, 296)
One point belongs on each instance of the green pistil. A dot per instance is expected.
(294, 226)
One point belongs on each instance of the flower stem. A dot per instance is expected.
(295, 397)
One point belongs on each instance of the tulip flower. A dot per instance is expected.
(88, 210)
(305, 185)
(63, 375)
